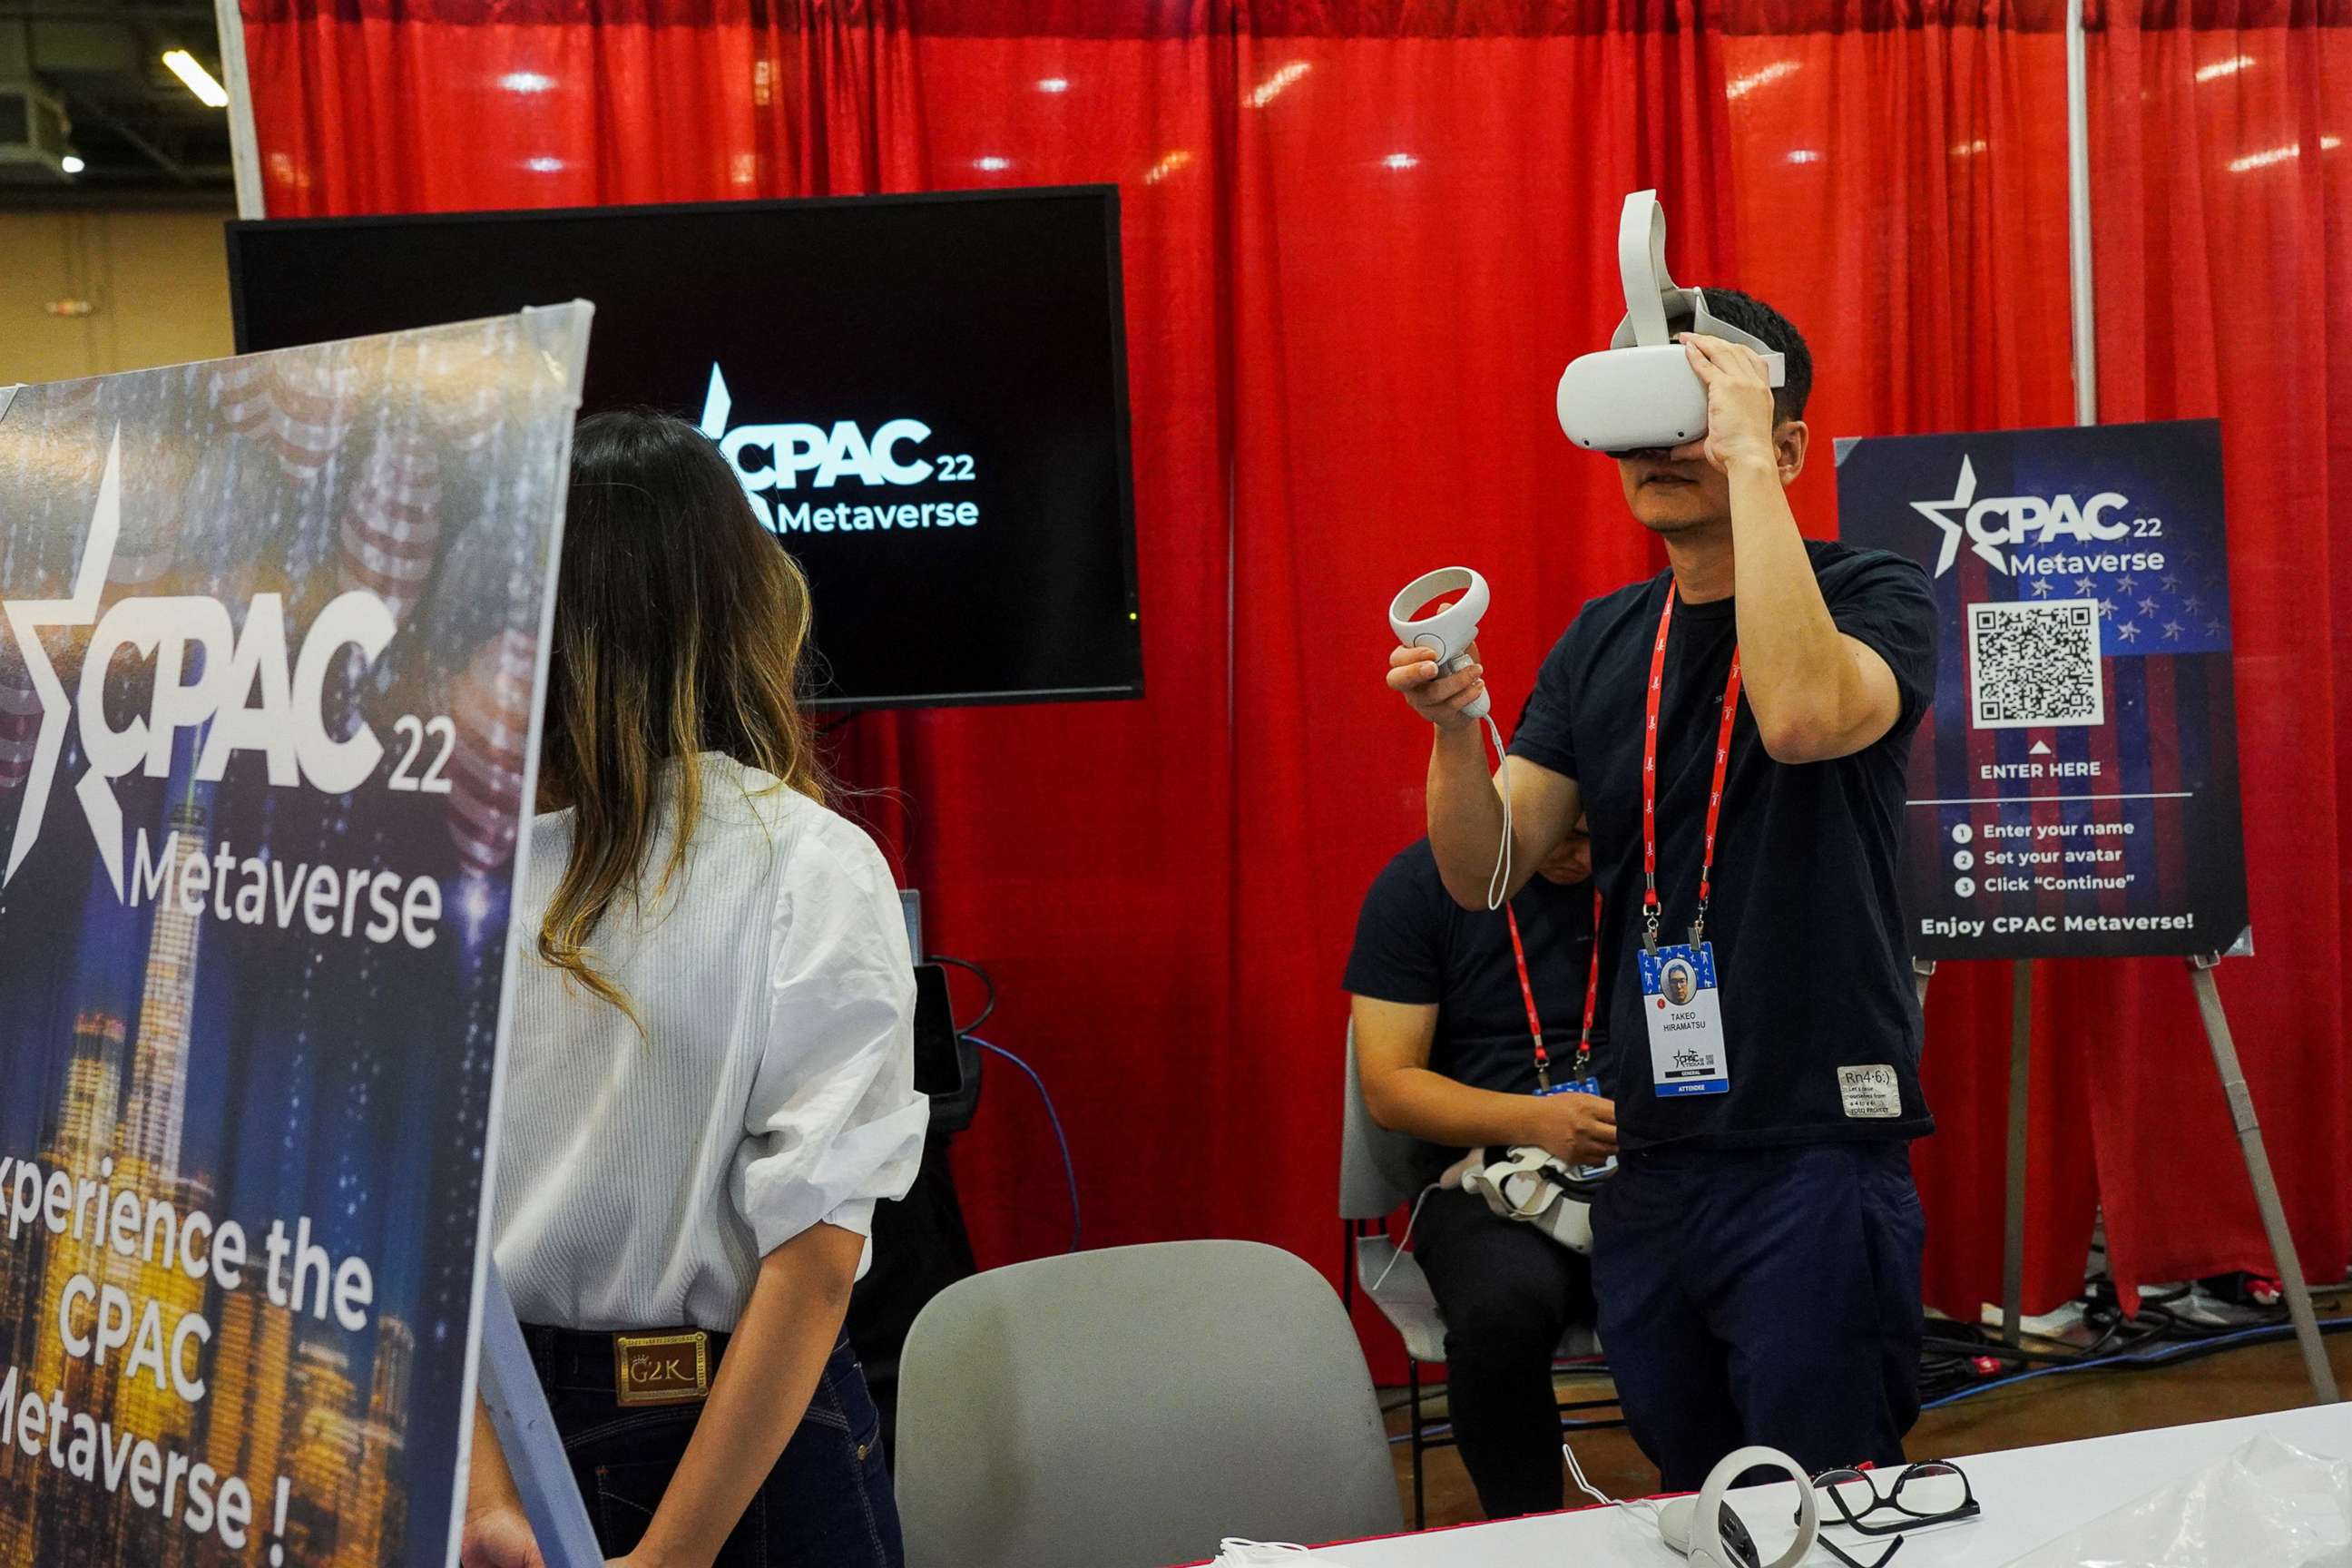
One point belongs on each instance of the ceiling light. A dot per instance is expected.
(526, 82)
(71, 164)
(198, 81)
(1741, 86)
(1272, 88)
(1400, 161)
(1055, 84)
(992, 163)
(2265, 158)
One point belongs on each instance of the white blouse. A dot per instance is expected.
(640, 1179)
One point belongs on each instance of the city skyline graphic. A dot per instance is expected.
(272, 1072)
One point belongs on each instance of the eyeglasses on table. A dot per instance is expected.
(1933, 1491)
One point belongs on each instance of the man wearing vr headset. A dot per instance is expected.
(1736, 729)
(1450, 1046)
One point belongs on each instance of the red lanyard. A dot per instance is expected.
(1650, 784)
(1591, 982)
(1528, 994)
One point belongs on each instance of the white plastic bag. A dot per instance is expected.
(1235, 1552)
(2268, 1503)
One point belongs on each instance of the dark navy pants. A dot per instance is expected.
(1762, 1296)
(828, 1503)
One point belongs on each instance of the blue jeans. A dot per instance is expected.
(1762, 1296)
(828, 1503)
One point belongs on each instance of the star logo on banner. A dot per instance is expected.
(2107, 608)
(1964, 495)
(2212, 628)
(25, 617)
(2146, 606)
(2084, 587)
(2190, 604)
(2171, 583)
(2127, 584)
(2128, 631)
(2172, 630)
(2041, 589)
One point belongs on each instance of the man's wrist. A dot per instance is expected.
(1753, 463)
(1468, 738)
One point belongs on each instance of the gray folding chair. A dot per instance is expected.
(1380, 1172)
(1126, 1408)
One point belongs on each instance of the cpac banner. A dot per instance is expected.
(2075, 789)
(267, 681)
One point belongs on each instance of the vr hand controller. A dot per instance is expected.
(1725, 1542)
(1639, 394)
(1447, 634)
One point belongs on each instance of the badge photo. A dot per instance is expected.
(1685, 1025)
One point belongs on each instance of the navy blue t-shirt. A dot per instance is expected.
(1415, 945)
(1812, 962)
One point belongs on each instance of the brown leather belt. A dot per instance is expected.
(647, 1367)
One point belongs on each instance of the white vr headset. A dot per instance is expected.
(1535, 1188)
(1640, 392)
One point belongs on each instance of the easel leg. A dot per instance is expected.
(2021, 1048)
(527, 1436)
(2258, 1167)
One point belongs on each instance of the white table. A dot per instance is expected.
(2030, 1496)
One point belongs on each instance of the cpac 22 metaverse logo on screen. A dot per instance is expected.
(775, 461)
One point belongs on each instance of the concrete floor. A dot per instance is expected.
(2239, 1382)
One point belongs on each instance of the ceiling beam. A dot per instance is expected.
(78, 106)
(58, 11)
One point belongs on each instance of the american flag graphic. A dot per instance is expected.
(2113, 827)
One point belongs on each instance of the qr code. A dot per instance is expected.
(2035, 664)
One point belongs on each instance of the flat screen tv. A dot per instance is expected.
(925, 398)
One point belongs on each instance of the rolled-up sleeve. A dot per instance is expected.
(832, 1125)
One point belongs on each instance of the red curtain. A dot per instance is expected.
(1361, 236)
(2221, 193)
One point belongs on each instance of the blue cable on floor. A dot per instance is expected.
(1069, 1167)
(2170, 1351)
(2188, 1350)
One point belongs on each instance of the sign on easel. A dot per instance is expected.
(269, 668)
(2074, 791)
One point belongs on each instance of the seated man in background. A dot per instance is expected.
(1446, 1051)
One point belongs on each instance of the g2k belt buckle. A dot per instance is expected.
(661, 1369)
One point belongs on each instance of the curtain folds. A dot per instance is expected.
(1361, 236)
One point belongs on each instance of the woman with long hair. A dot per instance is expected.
(710, 1078)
